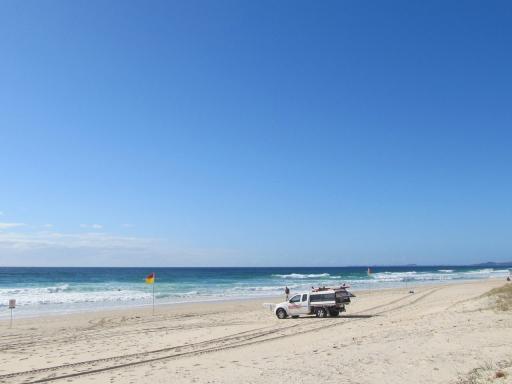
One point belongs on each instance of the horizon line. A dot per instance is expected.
(504, 263)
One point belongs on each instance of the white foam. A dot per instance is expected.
(64, 295)
(303, 276)
(445, 274)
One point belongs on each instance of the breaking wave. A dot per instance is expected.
(305, 276)
(440, 275)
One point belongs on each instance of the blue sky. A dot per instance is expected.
(246, 133)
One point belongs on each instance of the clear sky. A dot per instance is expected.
(255, 133)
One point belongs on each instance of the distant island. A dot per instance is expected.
(492, 264)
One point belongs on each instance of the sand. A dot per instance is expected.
(439, 334)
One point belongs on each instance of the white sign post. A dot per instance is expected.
(12, 305)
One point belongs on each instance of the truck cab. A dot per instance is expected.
(298, 304)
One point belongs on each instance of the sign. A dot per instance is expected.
(12, 303)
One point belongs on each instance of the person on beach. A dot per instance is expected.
(286, 292)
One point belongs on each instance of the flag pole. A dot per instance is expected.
(154, 279)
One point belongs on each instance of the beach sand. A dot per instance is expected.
(439, 334)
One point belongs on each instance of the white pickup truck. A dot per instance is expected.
(320, 302)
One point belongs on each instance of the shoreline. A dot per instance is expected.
(99, 310)
(56, 291)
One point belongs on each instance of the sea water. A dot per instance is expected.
(50, 290)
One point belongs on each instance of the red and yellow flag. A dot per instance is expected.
(150, 279)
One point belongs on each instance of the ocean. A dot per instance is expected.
(58, 290)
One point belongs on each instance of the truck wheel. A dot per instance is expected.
(334, 312)
(281, 313)
(321, 312)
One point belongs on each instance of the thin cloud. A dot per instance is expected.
(11, 225)
(49, 239)
(91, 226)
(52, 248)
